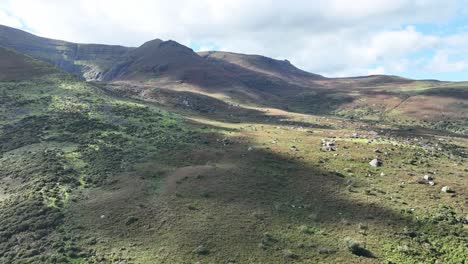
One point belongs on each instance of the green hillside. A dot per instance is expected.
(159, 170)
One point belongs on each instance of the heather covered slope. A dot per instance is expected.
(393, 100)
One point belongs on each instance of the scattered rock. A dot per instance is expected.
(352, 245)
(325, 250)
(131, 220)
(201, 250)
(363, 226)
(375, 163)
(427, 177)
(328, 144)
(446, 189)
(226, 141)
(356, 248)
(420, 180)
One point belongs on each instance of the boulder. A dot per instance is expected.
(375, 163)
(427, 177)
(325, 250)
(201, 250)
(446, 189)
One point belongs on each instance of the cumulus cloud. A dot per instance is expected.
(441, 62)
(334, 37)
(377, 70)
(9, 20)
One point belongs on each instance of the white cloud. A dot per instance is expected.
(377, 70)
(8, 20)
(335, 37)
(441, 63)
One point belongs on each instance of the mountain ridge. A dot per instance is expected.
(84, 60)
(72, 52)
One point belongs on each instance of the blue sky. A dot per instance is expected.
(416, 39)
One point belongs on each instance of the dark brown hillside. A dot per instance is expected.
(15, 66)
(282, 69)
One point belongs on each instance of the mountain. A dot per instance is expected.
(86, 60)
(172, 156)
(170, 64)
(259, 64)
(249, 79)
(153, 59)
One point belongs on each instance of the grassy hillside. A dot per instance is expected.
(59, 136)
(254, 80)
(130, 172)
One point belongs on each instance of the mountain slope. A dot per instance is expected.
(58, 137)
(260, 64)
(97, 172)
(86, 60)
(168, 64)
(14, 66)
(156, 59)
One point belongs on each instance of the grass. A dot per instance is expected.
(105, 178)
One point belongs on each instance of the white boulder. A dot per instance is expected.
(446, 189)
(375, 163)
